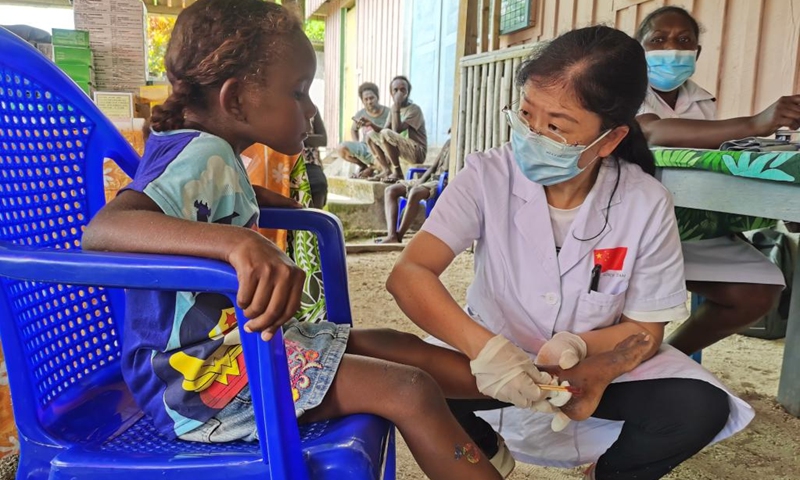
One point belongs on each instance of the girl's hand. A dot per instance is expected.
(565, 350)
(268, 198)
(270, 284)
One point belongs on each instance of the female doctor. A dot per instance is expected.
(577, 250)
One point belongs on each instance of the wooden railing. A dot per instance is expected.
(486, 86)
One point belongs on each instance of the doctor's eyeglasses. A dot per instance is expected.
(517, 121)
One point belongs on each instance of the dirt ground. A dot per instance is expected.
(768, 449)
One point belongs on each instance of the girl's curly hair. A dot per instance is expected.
(215, 40)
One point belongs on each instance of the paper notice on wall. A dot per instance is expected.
(115, 105)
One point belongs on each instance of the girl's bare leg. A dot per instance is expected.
(412, 400)
(449, 368)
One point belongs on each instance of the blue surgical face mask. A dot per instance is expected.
(542, 159)
(669, 69)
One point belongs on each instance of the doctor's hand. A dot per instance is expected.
(505, 372)
(565, 350)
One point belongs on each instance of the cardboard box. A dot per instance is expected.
(72, 56)
(155, 94)
(70, 38)
(79, 73)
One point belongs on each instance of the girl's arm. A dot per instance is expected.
(270, 284)
(415, 285)
(684, 133)
(267, 198)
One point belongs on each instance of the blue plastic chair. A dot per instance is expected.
(427, 204)
(61, 326)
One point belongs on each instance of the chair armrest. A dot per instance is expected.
(265, 361)
(330, 238)
(116, 270)
(412, 172)
(442, 182)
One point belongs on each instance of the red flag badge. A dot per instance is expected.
(610, 258)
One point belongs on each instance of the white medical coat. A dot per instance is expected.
(527, 293)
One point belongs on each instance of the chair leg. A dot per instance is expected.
(401, 207)
(697, 300)
(390, 468)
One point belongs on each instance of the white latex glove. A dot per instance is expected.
(505, 372)
(552, 404)
(565, 350)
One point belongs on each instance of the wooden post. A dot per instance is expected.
(470, 74)
(464, 111)
(483, 26)
(514, 89)
(465, 45)
(497, 113)
(505, 96)
(484, 81)
(489, 105)
(789, 386)
(476, 106)
(494, 22)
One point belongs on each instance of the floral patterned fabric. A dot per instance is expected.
(770, 166)
(9, 442)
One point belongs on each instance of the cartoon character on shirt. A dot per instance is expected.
(210, 370)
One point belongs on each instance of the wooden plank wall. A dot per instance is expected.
(379, 54)
(750, 51)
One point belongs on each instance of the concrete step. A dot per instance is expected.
(359, 205)
(361, 190)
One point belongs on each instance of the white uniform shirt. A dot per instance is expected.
(710, 260)
(694, 103)
(527, 293)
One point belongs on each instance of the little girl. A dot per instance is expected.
(241, 72)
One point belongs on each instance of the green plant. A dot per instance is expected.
(159, 29)
(315, 30)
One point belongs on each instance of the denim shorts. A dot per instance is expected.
(314, 352)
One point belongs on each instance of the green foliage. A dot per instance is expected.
(159, 29)
(315, 30)
(676, 158)
(714, 162)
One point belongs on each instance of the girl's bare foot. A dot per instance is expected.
(595, 373)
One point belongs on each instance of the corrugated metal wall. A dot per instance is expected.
(379, 53)
(333, 80)
(750, 51)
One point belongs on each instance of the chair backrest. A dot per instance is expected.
(53, 141)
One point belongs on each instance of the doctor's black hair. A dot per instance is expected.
(647, 24)
(607, 72)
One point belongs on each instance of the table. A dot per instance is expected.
(746, 190)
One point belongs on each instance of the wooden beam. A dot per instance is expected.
(483, 25)
(494, 25)
(466, 44)
(163, 9)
